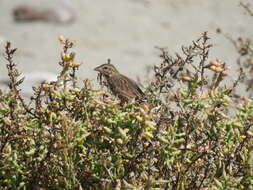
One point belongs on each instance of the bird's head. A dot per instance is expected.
(107, 69)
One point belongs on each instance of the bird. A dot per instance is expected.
(120, 85)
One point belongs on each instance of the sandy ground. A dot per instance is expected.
(126, 31)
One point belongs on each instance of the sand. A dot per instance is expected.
(126, 31)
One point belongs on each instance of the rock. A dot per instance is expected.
(61, 14)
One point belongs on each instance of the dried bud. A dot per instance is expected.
(186, 78)
(146, 144)
(217, 63)
(189, 146)
(62, 39)
(224, 73)
(144, 107)
(7, 121)
(150, 124)
(119, 141)
(243, 137)
(157, 144)
(236, 124)
(46, 87)
(139, 118)
(101, 139)
(250, 133)
(216, 69)
(76, 64)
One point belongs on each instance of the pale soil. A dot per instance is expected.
(126, 31)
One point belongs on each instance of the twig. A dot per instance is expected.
(246, 7)
(13, 74)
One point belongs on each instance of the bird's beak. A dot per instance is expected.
(97, 69)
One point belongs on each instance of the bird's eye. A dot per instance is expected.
(105, 68)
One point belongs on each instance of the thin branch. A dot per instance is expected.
(246, 7)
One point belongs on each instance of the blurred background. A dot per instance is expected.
(126, 31)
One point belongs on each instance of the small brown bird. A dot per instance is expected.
(123, 87)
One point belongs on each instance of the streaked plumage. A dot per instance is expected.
(123, 87)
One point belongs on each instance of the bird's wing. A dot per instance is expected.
(126, 87)
(136, 87)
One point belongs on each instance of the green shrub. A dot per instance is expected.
(193, 132)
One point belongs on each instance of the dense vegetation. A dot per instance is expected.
(194, 131)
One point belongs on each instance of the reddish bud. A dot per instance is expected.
(62, 39)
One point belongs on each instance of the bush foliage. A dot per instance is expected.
(194, 131)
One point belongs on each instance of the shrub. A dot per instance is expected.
(193, 132)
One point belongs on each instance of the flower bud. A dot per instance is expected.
(147, 135)
(186, 78)
(250, 133)
(236, 124)
(217, 63)
(119, 141)
(144, 107)
(107, 130)
(7, 121)
(62, 39)
(139, 118)
(123, 132)
(216, 69)
(224, 73)
(76, 64)
(146, 144)
(243, 136)
(150, 125)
